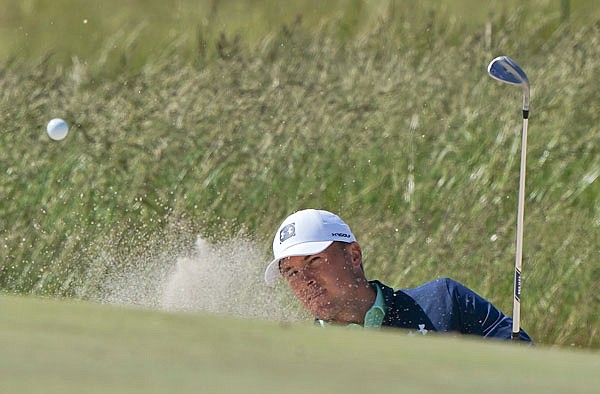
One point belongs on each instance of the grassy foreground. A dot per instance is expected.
(55, 346)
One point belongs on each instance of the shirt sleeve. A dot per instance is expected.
(479, 316)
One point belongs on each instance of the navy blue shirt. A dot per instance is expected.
(447, 306)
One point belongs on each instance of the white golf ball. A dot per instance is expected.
(57, 129)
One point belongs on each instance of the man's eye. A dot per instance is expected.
(291, 273)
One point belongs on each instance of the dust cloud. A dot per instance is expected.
(224, 278)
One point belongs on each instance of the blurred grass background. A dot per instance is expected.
(220, 118)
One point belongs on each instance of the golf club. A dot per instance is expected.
(506, 70)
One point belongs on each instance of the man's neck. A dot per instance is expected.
(358, 305)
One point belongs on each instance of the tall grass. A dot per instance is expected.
(392, 124)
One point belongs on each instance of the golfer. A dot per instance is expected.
(318, 256)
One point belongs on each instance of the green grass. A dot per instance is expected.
(384, 115)
(66, 346)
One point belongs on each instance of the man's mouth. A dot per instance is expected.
(314, 295)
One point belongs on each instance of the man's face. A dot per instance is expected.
(325, 283)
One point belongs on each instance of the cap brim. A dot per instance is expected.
(304, 249)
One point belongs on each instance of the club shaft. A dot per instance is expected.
(520, 219)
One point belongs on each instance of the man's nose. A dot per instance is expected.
(306, 277)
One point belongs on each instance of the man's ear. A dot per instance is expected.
(355, 255)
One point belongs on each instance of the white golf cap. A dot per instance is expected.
(305, 233)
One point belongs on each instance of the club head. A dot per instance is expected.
(506, 70)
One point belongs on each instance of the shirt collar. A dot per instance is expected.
(374, 316)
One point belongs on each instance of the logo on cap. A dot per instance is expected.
(287, 232)
(342, 235)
